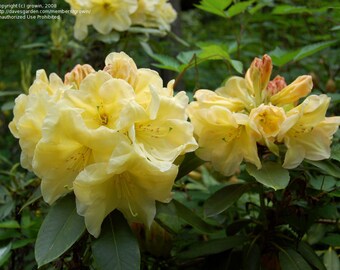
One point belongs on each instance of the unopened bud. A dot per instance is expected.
(77, 75)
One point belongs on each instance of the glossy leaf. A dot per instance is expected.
(61, 228)
(271, 175)
(212, 247)
(116, 248)
(291, 260)
(190, 163)
(326, 166)
(310, 256)
(331, 260)
(5, 253)
(224, 198)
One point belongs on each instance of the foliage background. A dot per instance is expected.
(301, 37)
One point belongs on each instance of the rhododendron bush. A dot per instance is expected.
(141, 145)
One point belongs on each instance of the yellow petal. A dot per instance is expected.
(66, 148)
(307, 133)
(132, 189)
(301, 87)
(236, 88)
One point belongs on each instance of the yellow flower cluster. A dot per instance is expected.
(231, 122)
(111, 136)
(119, 15)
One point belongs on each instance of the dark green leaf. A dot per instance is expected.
(331, 260)
(271, 175)
(332, 239)
(167, 217)
(34, 197)
(190, 163)
(312, 49)
(22, 242)
(116, 248)
(310, 256)
(212, 247)
(61, 228)
(251, 260)
(291, 260)
(236, 226)
(193, 219)
(238, 8)
(6, 203)
(224, 198)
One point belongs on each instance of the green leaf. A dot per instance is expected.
(332, 239)
(237, 65)
(238, 8)
(271, 175)
(212, 247)
(190, 163)
(9, 93)
(216, 7)
(5, 253)
(193, 219)
(22, 242)
(9, 224)
(214, 52)
(291, 260)
(331, 260)
(116, 248)
(61, 228)
(281, 57)
(312, 49)
(6, 203)
(290, 9)
(33, 198)
(310, 256)
(252, 257)
(167, 217)
(326, 166)
(224, 198)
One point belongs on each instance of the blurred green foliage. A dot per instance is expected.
(212, 43)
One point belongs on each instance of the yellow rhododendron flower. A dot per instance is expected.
(30, 111)
(307, 133)
(129, 183)
(230, 122)
(121, 66)
(113, 133)
(66, 148)
(224, 138)
(154, 13)
(268, 119)
(103, 15)
(290, 94)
